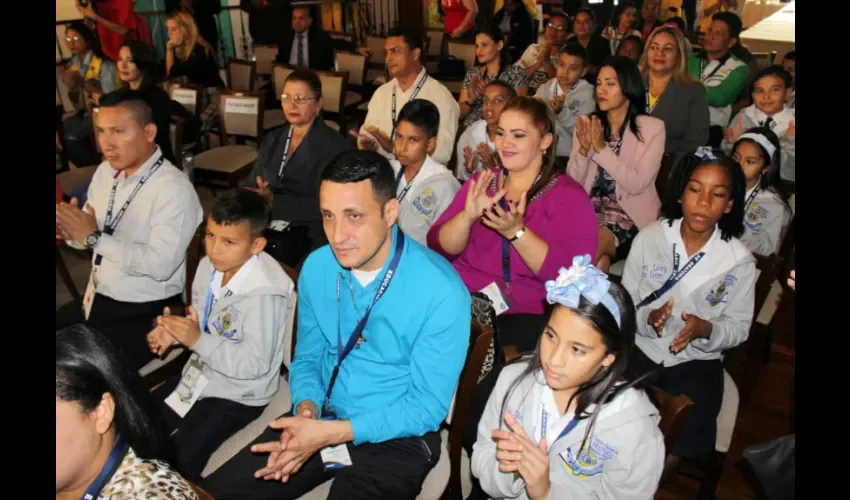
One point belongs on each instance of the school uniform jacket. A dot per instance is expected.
(243, 351)
(751, 117)
(764, 222)
(579, 100)
(635, 169)
(474, 135)
(623, 457)
(430, 194)
(720, 289)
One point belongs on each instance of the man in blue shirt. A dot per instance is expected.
(383, 332)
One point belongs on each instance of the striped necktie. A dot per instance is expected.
(300, 49)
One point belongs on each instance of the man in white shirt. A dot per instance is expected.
(140, 216)
(403, 50)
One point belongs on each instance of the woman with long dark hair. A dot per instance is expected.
(616, 156)
(107, 446)
(567, 403)
(492, 63)
(623, 23)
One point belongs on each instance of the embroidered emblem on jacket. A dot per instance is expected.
(719, 294)
(590, 461)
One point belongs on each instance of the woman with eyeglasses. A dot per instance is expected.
(291, 158)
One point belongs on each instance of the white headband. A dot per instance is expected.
(763, 142)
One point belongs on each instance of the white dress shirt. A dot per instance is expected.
(144, 260)
(474, 135)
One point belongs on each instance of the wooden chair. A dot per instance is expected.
(333, 94)
(264, 57)
(355, 66)
(274, 117)
(202, 495)
(376, 72)
(190, 96)
(240, 114)
(673, 411)
(664, 172)
(241, 74)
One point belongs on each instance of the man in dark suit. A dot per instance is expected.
(306, 45)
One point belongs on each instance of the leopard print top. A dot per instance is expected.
(146, 479)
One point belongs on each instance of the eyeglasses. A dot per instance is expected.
(70, 39)
(298, 99)
(556, 27)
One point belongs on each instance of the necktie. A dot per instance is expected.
(769, 123)
(300, 49)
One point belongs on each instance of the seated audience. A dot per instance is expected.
(291, 158)
(234, 327)
(366, 409)
(766, 213)
(540, 59)
(616, 156)
(424, 188)
(138, 221)
(622, 26)
(584, 32)
(305, 45)
(631, 47)
(693, 285)
(492, 64)
(555, 410)
(107, 446)
(404, 51)
(771, 89)
(650, 18)
(476, 148)
(569, 95)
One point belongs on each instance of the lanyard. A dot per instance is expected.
(506, 245)
(285, 154)
(210, 301)
(412, 96)
(674, 278)
(109, 224)
(704, 62)
(544, 420)
(344, 351)
(752, 197)
(119, 449)
(404, 191)
(650, 107)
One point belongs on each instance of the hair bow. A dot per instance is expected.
(705, 154)
(582, 279)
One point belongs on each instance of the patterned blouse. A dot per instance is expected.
(512, 75)
(138, 479)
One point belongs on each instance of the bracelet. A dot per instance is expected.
(519, 234)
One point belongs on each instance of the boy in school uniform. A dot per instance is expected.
(476, 148)
(424, 187)
(241, 298)
(771, 89)
(569, 95)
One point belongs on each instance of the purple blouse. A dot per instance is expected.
(562, 216)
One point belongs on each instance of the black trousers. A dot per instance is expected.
(390, 470)
(210, 422)
(125, 324)
(702, 381)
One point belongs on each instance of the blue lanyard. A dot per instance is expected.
(404, 191)
(285, 154)
(344, 351)
(674, 278)
(119, 449)
(544, 420)
(208, 305)
(751, 198)
(109, 224)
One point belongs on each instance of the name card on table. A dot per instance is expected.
(186, 97)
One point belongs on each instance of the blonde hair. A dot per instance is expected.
(680, 69)
(191, 36)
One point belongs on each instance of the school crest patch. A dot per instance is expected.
(590, 461)
(425, 203)
(720, 292)
(227, 323)
(754, 217)
(572, 105)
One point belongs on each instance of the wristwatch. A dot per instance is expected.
(518, 234)
(94, 238)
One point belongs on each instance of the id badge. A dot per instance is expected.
(186, 387)
(189, 389)
(88, 297)
(500, 303)
(336, 457)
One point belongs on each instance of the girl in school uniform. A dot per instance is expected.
(766, 215)
(693, 285)
(561, 422)
(616, 155)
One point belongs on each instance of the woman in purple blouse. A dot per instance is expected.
(540, 217)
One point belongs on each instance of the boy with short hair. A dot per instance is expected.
(424, 187)
(241, 298)
(569, 95)
(476, 148)
(771, 89)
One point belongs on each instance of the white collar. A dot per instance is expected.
(702, 271)
(478, 131)
(237, 282)
(146, 166)
(415, 82)
(430, 167)
(782, 118)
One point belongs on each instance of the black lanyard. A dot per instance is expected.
(752, 197)
(119, 449)
(285, 154)
(675, 277)
(109, 224)
(506, 245)
(412, 97)
(344, 351)
(704, 62)
(398, 177)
